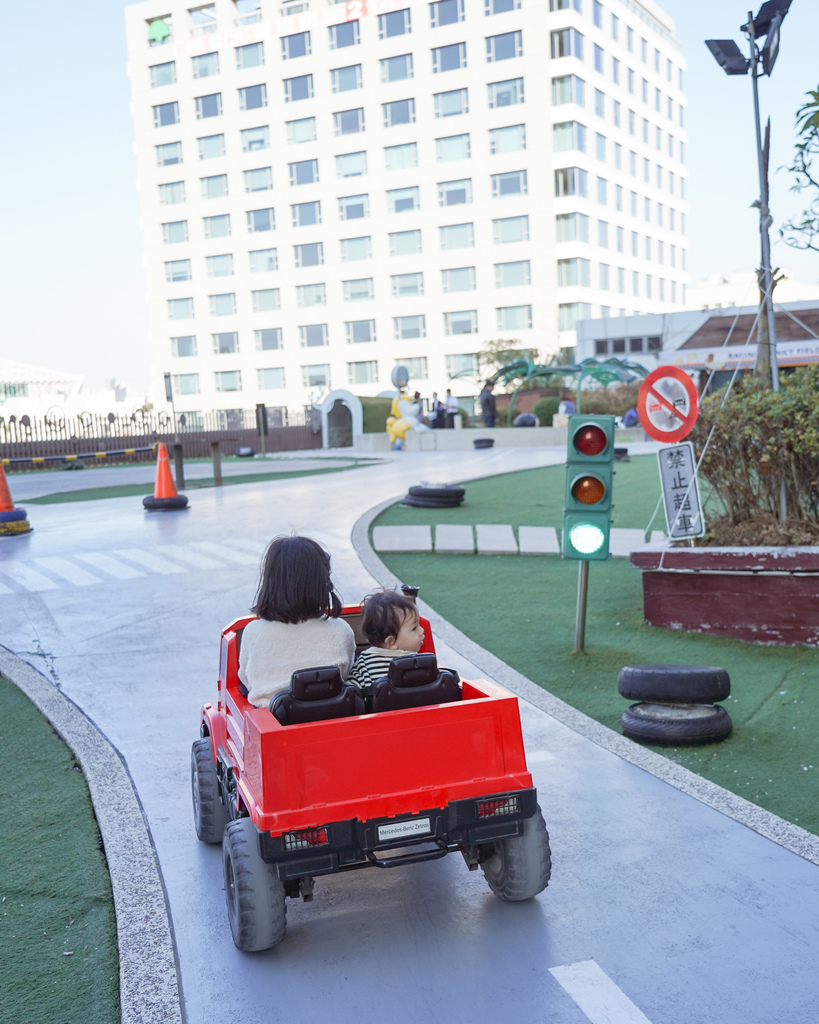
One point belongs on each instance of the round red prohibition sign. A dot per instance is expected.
(667, 404)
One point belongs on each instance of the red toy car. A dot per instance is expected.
(327, 781)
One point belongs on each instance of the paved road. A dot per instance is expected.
(675, 912)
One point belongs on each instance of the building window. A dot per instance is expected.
(218, 226)
(604, 276)
(303, 172)
(507, 140)
(403, 200)
(315, 376)
(505, 94)
(573, 272)
(348, 122)
(177, 270)
(398, 23)
(225, 344)
(259, 179)
(458, 279)
(208, 106)
(568, 313)
(499, 6)
(407, 284)
(296, 45)
(219, 266)
(362, 373)
(568, 89)
(452, 147)
(571, 227)
(163, 74)
(510, 183)
(345, 34)
(228, 380)
(265, 299)
(175, 231)
(215, 186)
(569, 135)
(172, 193)
(454, 193)
(302, 130)
(514, 318)
(185, 383)
(458, 236)
(570, 181)
(311, 295)
(309, 254)
(211, 146)
(398, 112)
(512, 275)
(305, 214)
(504, 46)
(313, 335)
(358, 290)
(567, 42)
(446, 12)
(621, 281)
(406, 327)
(602, 191)
(166, 113)
(603, 234)
(268, 339)
(510, 229)
(254, 139)
(183, 347)
(353, 207)
(261, 220)
(262, 260)
(299, 88)
(466, 365)
(448, 58)
(359, 331)
(601, 348)
(353, 249)
(346, 79)
(180, 309)
(398, 158)
(169, 153)
(615, 70)
(251, 97)
(205, 65)
(599, 103)
(397, 69)
(351, 165)
(465, 321)
(405, 243)
(222, 305)
(250, 56)
(448, 104)
(598, 59)
(270, 378)
(416, 366)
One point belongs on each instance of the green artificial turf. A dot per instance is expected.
(523, 610)
(59, 962)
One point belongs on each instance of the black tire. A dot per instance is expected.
(254, 895)
(519, 868)
(13, 515)
(445, 491)
(153, 504)
(676, 725)
(431, 502)
(209, 813)
(484, 442)
(674, 684)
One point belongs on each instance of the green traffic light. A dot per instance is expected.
(586, 538)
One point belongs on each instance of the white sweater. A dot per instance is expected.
(271, 652)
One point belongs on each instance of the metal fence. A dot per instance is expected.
(26, 436)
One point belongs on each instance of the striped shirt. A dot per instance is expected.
(373, 664)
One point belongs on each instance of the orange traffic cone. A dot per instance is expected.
(165, 498)
(12, 520)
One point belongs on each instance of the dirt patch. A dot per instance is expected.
(759, 532)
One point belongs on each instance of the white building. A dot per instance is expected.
(741, 289)
(329, 189)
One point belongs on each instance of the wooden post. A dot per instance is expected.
(217, 463)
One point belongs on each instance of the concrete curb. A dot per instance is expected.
(148, 974)
(782, 832)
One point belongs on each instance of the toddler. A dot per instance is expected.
(391, 625)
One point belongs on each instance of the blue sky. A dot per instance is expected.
(71, 259)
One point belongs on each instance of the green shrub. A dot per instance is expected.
(611, 401)
(375, 413)
(545, 409)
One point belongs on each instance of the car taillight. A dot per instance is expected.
(495, 808)
(306, 838)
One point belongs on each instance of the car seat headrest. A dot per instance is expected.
(413, 670)
(316, 683)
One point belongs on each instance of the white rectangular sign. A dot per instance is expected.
(403, 829)
(681, 491)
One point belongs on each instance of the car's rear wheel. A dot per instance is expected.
(519, 868)
(209, 813)
(255, 897)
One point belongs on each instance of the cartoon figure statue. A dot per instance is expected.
(404, 412)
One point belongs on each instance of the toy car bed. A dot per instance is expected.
(325, 780)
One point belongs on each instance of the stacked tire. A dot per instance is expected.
(677, 704)
(435, 496)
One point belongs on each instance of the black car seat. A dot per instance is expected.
(414, 681)
(316, 694)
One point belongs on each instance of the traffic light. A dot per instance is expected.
(589, 473)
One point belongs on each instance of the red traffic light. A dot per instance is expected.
(588, 490)
(590, 440)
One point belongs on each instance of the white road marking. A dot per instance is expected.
(538, 755)
(183, 554)
(119, 570)
(27, 577)
(6, 590)
(231, 554)
(597, 995)
(73, 573)
(254, 547)
(149, 561)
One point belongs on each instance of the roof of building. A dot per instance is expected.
(798, 325)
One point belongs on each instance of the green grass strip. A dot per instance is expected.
(523, 610)
(60, 963)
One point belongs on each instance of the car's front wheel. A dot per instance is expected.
(209, 813)
(255, 896)
(520, 867)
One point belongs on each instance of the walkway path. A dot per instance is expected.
(687, 914)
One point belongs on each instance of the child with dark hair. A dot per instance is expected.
(390, 623)
(298, 625)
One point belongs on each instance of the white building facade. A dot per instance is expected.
(331, 189)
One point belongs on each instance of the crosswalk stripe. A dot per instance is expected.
(230, 554)
(149, 561)
(597, 995)
(192, 558)
(27, 577)
(73, 573)
(119, 570)
(253, 547)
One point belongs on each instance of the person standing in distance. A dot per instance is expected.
(451, 406)
(488, 410)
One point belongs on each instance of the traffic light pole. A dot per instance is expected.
(582, 593)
